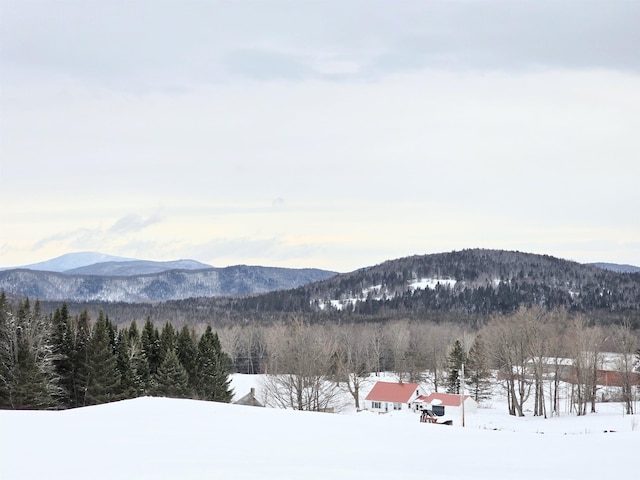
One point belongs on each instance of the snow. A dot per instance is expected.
(160, 438)
(432, 283)
(378, 292)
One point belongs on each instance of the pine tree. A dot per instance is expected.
(172, 379)
(63, 353)
(132, 363)
(139, 361)
(213, 369)
(187, 351)
(126, 388)
(80, 378)
(477, 370)
(151, 345)
(7, 342)
(27, 375)
(456, 358)
(103, 376)
(167, 341)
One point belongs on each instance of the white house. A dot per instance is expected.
(442, 404)
(389, 396)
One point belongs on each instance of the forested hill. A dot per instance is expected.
(470, 284)
(472, 281)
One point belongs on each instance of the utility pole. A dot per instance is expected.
(462, 392)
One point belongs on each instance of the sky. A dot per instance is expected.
(333, 134)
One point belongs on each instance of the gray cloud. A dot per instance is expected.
(133, 223)
(266, 65)
(73, 236)
(258, 249)
(165, 43)
(91, 238)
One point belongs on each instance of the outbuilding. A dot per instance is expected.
(441, 404)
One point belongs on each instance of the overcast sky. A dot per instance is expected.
(330, 134)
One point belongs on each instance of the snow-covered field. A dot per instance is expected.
(158, 438)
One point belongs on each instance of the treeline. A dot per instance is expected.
(533, 350)
(62, 361)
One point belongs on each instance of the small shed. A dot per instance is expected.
(249, 399)
(389, 396)
(445, 404)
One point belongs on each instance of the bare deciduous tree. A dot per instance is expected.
(627, 345)
(353, 362)
(585, 344)
(508, 338)
(299, 369)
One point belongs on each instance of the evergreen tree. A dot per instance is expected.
(123, 364)
(456, 358)
(80, 378)
(151, 346)
(172, 379)
(112, 332)
(477, 370)
(132, 363)
(103, 376)
(187, 351)
(7, 342)
(63, 353)
(213, 369)
(167, 341)
(27, 374)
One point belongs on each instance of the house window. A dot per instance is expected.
(397, 406)
(438, 410)
(376, 405)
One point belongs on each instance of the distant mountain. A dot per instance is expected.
(70, 261)
(136, 267)
(467, 282)
(156, 287)
(466, 285)
(615, 267)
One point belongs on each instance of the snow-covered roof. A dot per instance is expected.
(445, 399)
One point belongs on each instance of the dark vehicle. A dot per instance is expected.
(428, 416)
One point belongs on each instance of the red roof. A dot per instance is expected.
(608, 378)
(445, 399)
(392, 392)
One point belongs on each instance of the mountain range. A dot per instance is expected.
(91, 276)
(95, 263)
(467, 283)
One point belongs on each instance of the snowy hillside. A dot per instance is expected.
(157, 438)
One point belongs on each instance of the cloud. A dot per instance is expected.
(73, 237)
(125, 43)
(266, 65)
(99, 238)
(134, 223)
